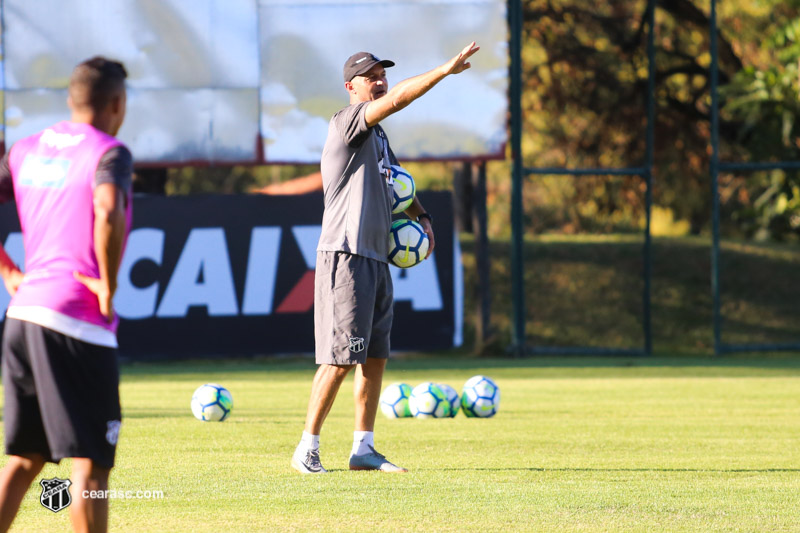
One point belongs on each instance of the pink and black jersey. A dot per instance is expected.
(54, 174)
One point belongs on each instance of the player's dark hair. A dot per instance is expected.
(95, 82)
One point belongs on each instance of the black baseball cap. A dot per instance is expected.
(360, 63)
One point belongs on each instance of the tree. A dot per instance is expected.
(585, 72)
(763, 100)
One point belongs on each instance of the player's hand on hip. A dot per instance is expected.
(104, 293)
(459, 63)
(13, 280)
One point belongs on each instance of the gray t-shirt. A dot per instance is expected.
(358, 191)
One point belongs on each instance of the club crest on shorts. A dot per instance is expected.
(55, 494)
(112, 432)
(356, 344)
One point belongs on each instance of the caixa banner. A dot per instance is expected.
(234, 275)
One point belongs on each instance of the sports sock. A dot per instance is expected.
(362, 440)
(309, 441)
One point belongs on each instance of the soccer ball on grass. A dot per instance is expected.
(394, 400)
(452, 398)
(480, 397)
(428, 401)
(211, 403)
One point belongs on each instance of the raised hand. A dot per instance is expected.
(459, 63)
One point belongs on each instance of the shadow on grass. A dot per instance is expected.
(255, 367)
(587, 469)
(586, 291)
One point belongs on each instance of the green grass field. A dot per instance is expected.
(579, 444)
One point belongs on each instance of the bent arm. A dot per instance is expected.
(111, 192)
(11, 274)
(413, 212)
(109, 233)
(405, 92)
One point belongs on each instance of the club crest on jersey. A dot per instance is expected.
(55, 494)
(356, 344)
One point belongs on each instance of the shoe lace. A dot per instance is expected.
(380, 455)
(312, 459)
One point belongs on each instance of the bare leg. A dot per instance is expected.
(15, 478)
(89, 515)
(367, 392)
(326, 385)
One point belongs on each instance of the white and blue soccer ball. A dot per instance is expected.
(453, 398)
(480, 397)
(211, 403)
(404, 189)
(408, 243)
(394, 400)
(428, 401)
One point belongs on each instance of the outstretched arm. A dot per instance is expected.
(409, 90)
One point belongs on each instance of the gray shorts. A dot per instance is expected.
(353, 310)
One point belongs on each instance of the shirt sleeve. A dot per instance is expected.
(116, 166)
(351, 122)
(6, 182)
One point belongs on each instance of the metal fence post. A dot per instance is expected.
(515, 104)
(715, 266)
(649, 164)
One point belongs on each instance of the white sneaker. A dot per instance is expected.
(308, 463)
(374, 461)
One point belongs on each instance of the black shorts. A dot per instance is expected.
(61, 395)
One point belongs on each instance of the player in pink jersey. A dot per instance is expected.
(72, 186)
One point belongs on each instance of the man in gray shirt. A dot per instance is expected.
(353, 294)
